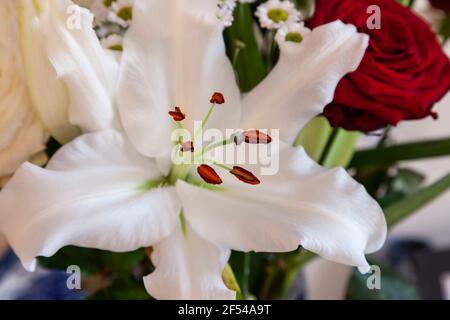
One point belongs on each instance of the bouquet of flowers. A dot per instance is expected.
(207, 149)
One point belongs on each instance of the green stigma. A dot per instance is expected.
(278, 15)
(125, 13)
(293, 37)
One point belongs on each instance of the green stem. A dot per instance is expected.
(205, 120)
(402, 152)
(220, 165)
(179, 172)
(212, 147)
(246, 275)
(402, 209)
(271, 49)
(341, 149)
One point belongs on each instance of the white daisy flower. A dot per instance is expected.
(122, 12)
(100, 9)
(113, 42)
(225, 9)
(275, 13)
(292, 32)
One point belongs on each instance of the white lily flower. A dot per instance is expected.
(47, 93)
(21, 132)
(109, 189)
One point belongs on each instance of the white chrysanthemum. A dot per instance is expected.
(99, 8)
(292, 32)
(225, 9)
(122, 12)
(113, 42)
(275, 13)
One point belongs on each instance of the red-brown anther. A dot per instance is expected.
(245, 176)
(177, 115)
(209, 174)
(217, 98)
(256, 137)
(187, 146)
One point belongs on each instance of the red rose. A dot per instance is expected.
(403, 74)
(441, 4)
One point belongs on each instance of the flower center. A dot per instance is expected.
(125, 13)
(278, 15)
(188, 148)
(293, 37)
(108, 3)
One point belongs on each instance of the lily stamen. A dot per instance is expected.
(177, 115)
(245, 175)
(187, 146)
(256, 137)
(217, 98)
(209, 175)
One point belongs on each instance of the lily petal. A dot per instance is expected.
(91, 196)
(174, 55)
(305, 79)
(325, 211)
(21, 134)
(48, 94)
(188, 267)
(89, 71)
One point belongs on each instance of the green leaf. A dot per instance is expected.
(445, 28)
(243, 50)
(125, 287)
(93, 261)
(416, 200)
(407, 181)
(402, 152)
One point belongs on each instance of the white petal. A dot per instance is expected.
(28, 141)
(188, 268)
(304, 80)
(174, 55)
(89, 196)
(89, 71)
(48, 94)
(21, 133)
(325, 211)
